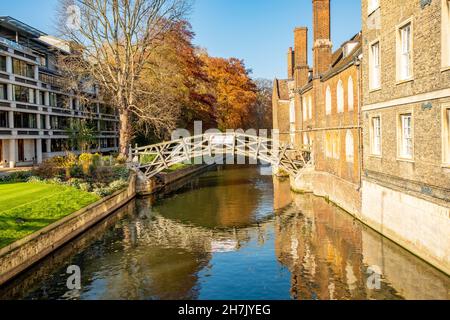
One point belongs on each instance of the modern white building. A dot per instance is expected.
(35, 113)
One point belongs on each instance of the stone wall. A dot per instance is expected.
(418, 225)
(426, 32)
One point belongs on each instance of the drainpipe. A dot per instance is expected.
(360, 148)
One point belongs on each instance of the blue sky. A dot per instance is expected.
(258, 31)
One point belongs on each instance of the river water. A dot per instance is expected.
(232, 233)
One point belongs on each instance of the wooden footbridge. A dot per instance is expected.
(153, 159)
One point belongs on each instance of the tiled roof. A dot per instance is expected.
(338, 60)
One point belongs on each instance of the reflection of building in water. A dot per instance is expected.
(281, 193)
(329, 255)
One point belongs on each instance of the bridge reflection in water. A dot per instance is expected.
(232, 234)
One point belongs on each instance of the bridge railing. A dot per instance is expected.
(155, 158)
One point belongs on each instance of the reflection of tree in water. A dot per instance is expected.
(221, 201)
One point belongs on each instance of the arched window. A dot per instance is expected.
(349, 147)
(328, 101)
(350, 94)
(340, 97)
(310, 107)
(304, 111)
(336, 145)
(292, 111)
(328, 145)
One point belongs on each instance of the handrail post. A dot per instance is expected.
(130, 153)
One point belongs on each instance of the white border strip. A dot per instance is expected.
(408, 100)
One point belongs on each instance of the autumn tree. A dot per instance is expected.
(234, 91)
(261, 114)
(114, 40)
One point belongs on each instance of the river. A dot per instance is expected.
(232, 233)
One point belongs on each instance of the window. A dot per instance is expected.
(3, 91)
(21, 94)
(52, 99)
(406, 141)
(445, 33)
(350, 94)
(328, 145)
(42, 97)
(328, 101)
(404, 53)
(310, 107)
(373, 5)
(3, 119)
(336, 145)
(3, 63)
(446, 136)
(375, 66)
(349, 147)
(305, 139)
(292, 111)
(59, 123)
(25, 120)
(376, 136)
(22, 68)
(340, 97)
(304, 109)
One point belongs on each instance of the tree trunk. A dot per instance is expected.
(125, 132)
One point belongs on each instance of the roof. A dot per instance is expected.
(340, 62)
(19, 26)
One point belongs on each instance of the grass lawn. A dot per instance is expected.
(28, 207)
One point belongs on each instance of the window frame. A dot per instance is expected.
(310, 107)
(340, 96)
(401, 155)
(446, 135)
(399, 51)
(350, 94)
(328, 101)
(371, 8)
(349, 156)
(372, 86)
(373, 152)
(445, 36)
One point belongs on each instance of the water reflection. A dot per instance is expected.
(231, 234)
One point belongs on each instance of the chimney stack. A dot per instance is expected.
(291, 63)
(301, 56)
(322, 41)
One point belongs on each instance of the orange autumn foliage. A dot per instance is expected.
(234, 90)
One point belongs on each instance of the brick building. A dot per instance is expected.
(318, 107)
(406, 117)
(377, 114)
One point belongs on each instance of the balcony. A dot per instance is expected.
(15, 45)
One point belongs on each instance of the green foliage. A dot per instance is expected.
(111, 189)
(19, 176)
(121, 159)
(147, 158)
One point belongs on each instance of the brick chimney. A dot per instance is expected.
(290, 63)
(301, 56)
(322, 41)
